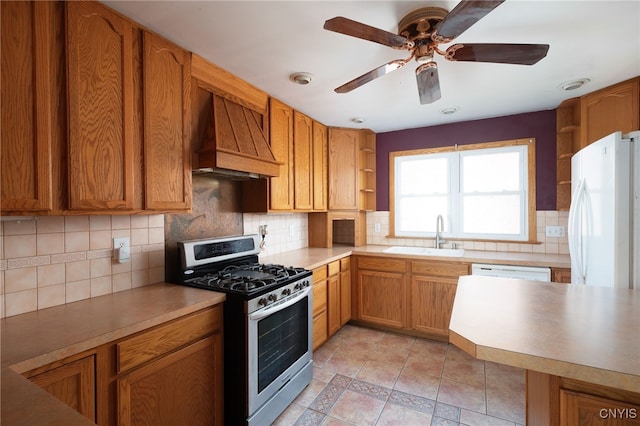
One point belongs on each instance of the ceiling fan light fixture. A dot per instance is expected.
(301, 78)
(449, 110)
(574, 84)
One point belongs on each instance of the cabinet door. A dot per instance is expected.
(101, 113)
(167, 106)
(561, 275)
(72, 383)
(345, 296)
(343, 169)
(580, 409)
(281, 139)
(432, 303)
(27, 90)
(302, 162)
(382, 298)
(184, 387)
(319, 167)
(609, 110)
(320, 326)
(334, 306)
(320, 334)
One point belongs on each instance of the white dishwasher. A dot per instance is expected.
(533, 273)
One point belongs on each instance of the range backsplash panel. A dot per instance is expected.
(216, 213)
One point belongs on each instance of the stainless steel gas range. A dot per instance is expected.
(267, 324)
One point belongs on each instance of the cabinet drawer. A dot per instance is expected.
(441, 269)
(167, 337)
(345, 263)
(319, 274)
(382, 264)
(334, 268)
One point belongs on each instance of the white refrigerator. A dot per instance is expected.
(604, 218)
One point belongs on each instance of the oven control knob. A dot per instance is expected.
(286, 292)
(298, 286)
(263, 302)
(272, 297)
(305, 283)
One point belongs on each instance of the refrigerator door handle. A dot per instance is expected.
(574, 232)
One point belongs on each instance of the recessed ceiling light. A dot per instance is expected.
(358, 120)
(449, 110)
(300, 78)
(574, 84)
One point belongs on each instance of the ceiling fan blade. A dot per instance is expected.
(463, 16)
(346, 26)
(371, 75)
(428, 82)
(521, 54)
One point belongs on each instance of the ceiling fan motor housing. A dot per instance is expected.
(418, 26)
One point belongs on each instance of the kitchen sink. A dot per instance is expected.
(425, 251)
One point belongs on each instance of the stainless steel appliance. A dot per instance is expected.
(267, 324)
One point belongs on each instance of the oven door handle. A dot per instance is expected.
(264, 312)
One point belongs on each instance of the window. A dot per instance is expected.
(483, 191)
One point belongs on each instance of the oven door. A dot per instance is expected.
(279, 346)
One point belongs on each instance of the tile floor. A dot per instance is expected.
(369, 377)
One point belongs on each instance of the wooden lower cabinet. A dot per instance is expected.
(320, 319)
(72, 382)
(170, 374)
(381, 291)
(331, 299)
(561, 275)
(345, 290)
(180, 388)
(433, 289)
(582, 409)
(560, 401)
(413, 296)
(432, 303)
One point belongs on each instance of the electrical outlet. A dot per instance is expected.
(292, 230)
(121, 250)
(554, 231)
(376, 227)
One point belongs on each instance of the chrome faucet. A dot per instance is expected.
(439, 229)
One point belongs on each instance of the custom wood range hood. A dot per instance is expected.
(236, 145)
(231, 126)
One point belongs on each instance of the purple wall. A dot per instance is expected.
(539, 125)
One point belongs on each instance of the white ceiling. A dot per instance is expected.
(263, 42)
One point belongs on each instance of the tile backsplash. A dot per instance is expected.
(53, 260)
(547, 245)
(286, 232)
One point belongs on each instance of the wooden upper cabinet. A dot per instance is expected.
(303, 161)
(343, 168)
(167, 123)
(26, 105)
(101, 108)
(281, 139)
(609, 110)
(319, 166)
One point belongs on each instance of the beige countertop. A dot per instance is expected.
(38, 338)
(580, 332)
(313, 257)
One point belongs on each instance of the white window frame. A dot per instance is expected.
(454, 219)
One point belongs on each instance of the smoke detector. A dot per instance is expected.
(300, 78)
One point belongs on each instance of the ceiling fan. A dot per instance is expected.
(421, 31)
